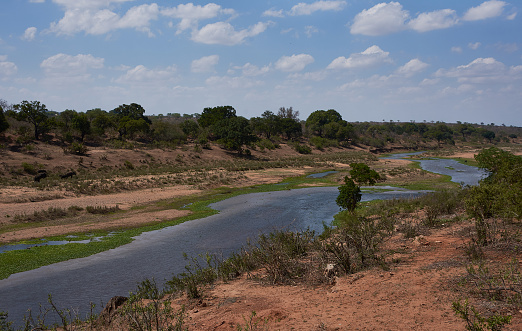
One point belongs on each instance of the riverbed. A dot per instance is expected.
(159, 254)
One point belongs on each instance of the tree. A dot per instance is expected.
(190, 128)
(35, 113)
(288, 113)
(130, 119)
(362, 174)
(81, 123)
(100, 120)
(499, 194)
(291, 128)
(234, 133)
(4, 125)
(211, 116)
(349, 195)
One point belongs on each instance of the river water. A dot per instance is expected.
(159, 254)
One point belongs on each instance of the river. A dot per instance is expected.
(159, 254)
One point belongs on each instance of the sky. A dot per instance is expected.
(407, 60)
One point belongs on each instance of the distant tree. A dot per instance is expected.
(291, 128)
(362, 174)
(211, 116)
(349, 195)
(190, 128)
(81, 123)
(269, 124)
(65, 119)
(317, 120)
(34, 113)
(166, 131)
(100, 121)
(288, 113)
(489, 135)
(4, 125)
(234, 133)
(130, 119)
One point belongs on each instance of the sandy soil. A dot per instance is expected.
(415, 294)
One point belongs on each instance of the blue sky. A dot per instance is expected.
(371, 61)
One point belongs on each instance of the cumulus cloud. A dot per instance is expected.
(205, 64)
(249, 69)
(69, 63)
(387, 18)
(488, 9)
(474, 46)
(372, 56)
(308, 9)
(89, 17)
(381, 19)
(223, 33)
(66, 68)
(7, 68)
(191, 14)
(482, 70)
(412, 67)
(142, 75)
(294, 63)
(456, 49)
(30, 34)
(273, 13)
(440, 19)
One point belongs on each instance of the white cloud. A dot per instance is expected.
(64, 69)
(139, 17)
(87, 16)
(474, 46)
(249, 69)
(273, 13)
(37, 1)
(87, 4)
(372, 56)
(440, 19)
(7, 68)
(223, 33)
(142, 75)
(512, 16)
(308, 9)
(310, 30)
(412, 67)
(294, 63)
(191, 14)
(488, 9)
(456, 49)
(381, 19)
(482, 70)
(30, 34)
(205, 64)
(72, 64)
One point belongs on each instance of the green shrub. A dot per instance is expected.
(302, 149)
(349, 195)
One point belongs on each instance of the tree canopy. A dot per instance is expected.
(34, 113)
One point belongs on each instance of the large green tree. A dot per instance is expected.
(234, 133)
(130, 119)
(34, 113)
(211, 116)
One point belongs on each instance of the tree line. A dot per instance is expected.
(31, 120)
